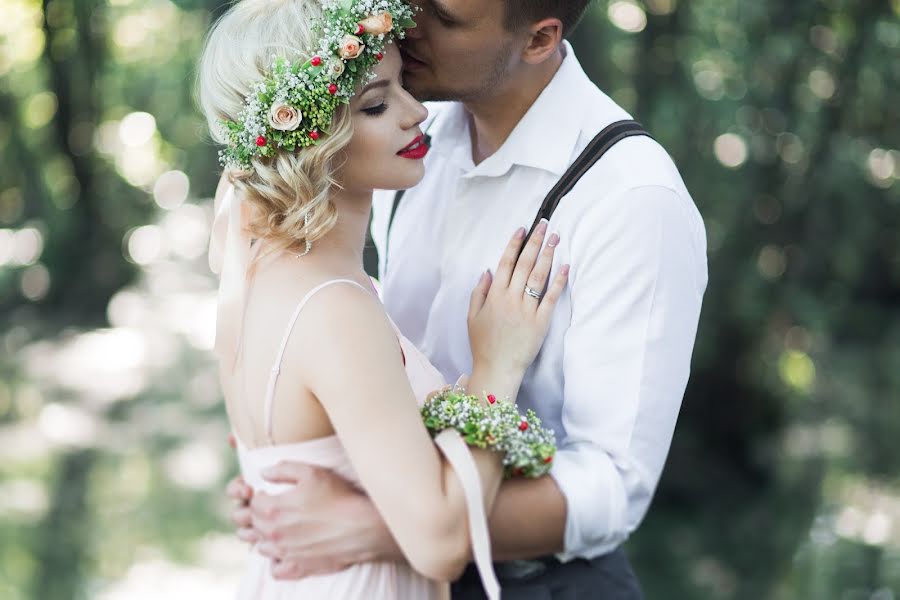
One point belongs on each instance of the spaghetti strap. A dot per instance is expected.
(276, 368)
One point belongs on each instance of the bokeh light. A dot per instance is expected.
(627, 16)
(730, 150)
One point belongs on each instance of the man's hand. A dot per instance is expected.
(322, 524)
(241, 493)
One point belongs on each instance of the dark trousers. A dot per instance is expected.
(607, 577)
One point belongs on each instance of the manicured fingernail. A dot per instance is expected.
(565, 270)
(520, 233)
(542, 226)
(554, 240)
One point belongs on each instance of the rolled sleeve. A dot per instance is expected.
(637, 283)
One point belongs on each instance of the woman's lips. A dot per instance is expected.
(416, 150)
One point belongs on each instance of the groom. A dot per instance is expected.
(612, 372)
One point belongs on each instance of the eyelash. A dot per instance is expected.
(376, 110)
(445, 21)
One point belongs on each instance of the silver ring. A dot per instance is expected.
(533, 293)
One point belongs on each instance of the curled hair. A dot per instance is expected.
(284, 188)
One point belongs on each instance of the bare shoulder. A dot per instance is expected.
(349, 326)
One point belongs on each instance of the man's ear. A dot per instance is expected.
(546, 36)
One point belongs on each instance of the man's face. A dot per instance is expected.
(460, 49)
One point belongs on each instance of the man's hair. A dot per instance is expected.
(520, 13)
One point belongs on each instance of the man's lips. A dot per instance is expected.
(416, 149)
(411, 59)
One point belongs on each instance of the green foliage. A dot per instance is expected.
(782, 117)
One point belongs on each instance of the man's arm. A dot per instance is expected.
(641, 273)
(528, 520)
(635, 306)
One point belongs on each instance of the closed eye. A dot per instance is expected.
(376, 110)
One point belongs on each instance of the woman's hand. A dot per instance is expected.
(507, 325)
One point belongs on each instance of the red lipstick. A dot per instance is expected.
(416, 150)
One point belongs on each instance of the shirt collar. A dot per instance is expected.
(544, 138)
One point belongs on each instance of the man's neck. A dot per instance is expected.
(492, 118)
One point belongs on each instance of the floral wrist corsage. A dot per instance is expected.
(528, 448)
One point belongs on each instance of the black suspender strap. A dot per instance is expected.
(397, 198)
(595, 150)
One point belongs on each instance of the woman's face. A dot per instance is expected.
(386, 151)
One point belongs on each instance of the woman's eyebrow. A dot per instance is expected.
(375, 84)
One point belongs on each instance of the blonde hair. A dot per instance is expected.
(287, 187)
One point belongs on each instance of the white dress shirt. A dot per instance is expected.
(612, 372)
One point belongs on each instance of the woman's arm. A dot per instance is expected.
(357, 374)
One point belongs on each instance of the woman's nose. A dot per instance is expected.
(416, 113)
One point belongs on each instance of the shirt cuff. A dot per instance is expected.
(595, 501)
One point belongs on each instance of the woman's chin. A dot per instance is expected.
(411, 176)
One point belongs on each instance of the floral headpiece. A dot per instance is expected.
(295, 105)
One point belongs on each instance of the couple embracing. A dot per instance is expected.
(541, 272)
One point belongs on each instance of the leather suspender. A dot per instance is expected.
(595, 150)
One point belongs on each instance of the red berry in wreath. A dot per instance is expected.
(332, 89)
(260, 141)
(314, 136)
(380, 56)
(492, 398)
(360, 29)
(548, 460)
(523, 425)
(316, 61)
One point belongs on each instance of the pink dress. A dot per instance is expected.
(367, 581)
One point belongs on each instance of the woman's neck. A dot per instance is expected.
(345, 244)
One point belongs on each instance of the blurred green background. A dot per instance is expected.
(783, 477)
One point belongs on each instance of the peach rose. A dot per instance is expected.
(351, 47)
(284, 118)
(336, 68)
(377, 24)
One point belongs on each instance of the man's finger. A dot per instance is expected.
(242, 517)
(288, 472)
(238, 490)
(263, 512)
(286, 570)
(269, 550)
(248, 535)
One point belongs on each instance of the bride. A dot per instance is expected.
(306, 98)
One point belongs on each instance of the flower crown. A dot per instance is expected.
(295, 104)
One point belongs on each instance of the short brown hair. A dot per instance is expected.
(520, 13)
